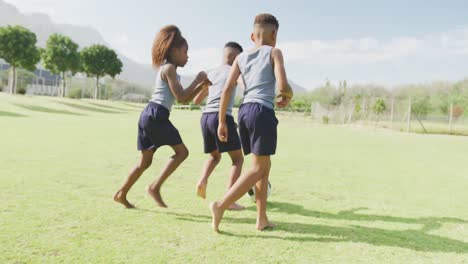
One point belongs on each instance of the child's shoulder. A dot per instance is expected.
(276, 53)
(167, 67)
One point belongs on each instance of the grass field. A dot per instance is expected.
(340, 194)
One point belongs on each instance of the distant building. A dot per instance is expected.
(44, 82)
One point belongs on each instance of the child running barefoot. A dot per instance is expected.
(261, 69)
(209, 124)
(154, 127)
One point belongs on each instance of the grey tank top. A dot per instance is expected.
(218, 77)
(258, 75)
(162, 93)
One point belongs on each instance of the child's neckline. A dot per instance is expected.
(258, 48)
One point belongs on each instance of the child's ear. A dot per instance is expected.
(273, 35)
(252, 37)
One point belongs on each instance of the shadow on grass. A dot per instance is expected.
(11, 114)
(111, 107)
(414, 239)
(428, 223)
(88, 108)
(43, 109)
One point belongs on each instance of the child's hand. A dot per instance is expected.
(283, 102)
(207, 82)
(203, 85)
(201, 77)
(222, 132)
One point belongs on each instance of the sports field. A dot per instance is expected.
(340, 194)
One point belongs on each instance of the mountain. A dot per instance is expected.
(43, 27)
(297, 88)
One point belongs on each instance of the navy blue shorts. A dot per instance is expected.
(155, 129)
(209, 126)
(257, 129)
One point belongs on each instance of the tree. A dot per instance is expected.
(18, 48)
(421, 107)
(99, 61)
(61, 56)
(379, 107)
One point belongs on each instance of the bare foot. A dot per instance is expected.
(216, 215)
(263, 225)
(201, 190)
(121, 199)
(156, 195)
(236, 207)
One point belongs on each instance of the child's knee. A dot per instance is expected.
(144, 164)
(261, 168)
(183, 153)
(215, 157)
(238, 161)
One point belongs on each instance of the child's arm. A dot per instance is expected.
(201, 96)
(198, 89)
(182, 95)
(285, 91)
(225, 97)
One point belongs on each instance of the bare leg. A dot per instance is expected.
(261, 194)
(237, 159)
(121, 195)
(181, 153)
(208, 168)
(260, 166)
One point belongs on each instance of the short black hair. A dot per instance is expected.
(235, 45)
(266, 19)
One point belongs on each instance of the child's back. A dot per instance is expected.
(218, 77)
(258, 76)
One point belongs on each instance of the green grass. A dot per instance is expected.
(88, 108)
(10, 114)
(45, 109)
(340, 194)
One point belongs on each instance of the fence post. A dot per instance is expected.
(391, 112)
(312, 110)
(408, 125)
(364, 109)
(450, 118)
(371, 112)
(1, 74)
(350, 113)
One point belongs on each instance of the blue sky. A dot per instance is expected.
(385, 42)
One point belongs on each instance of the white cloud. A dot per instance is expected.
(439, 56)
(363, 60)
(371, 50)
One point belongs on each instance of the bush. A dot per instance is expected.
(325, 119)
(299, 106)
(21, 90)
(421, 106)
(136, 98)
(379, 106)
(74, 93)
(457, 111)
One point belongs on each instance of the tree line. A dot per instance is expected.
(428, 98)
(61, 55)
